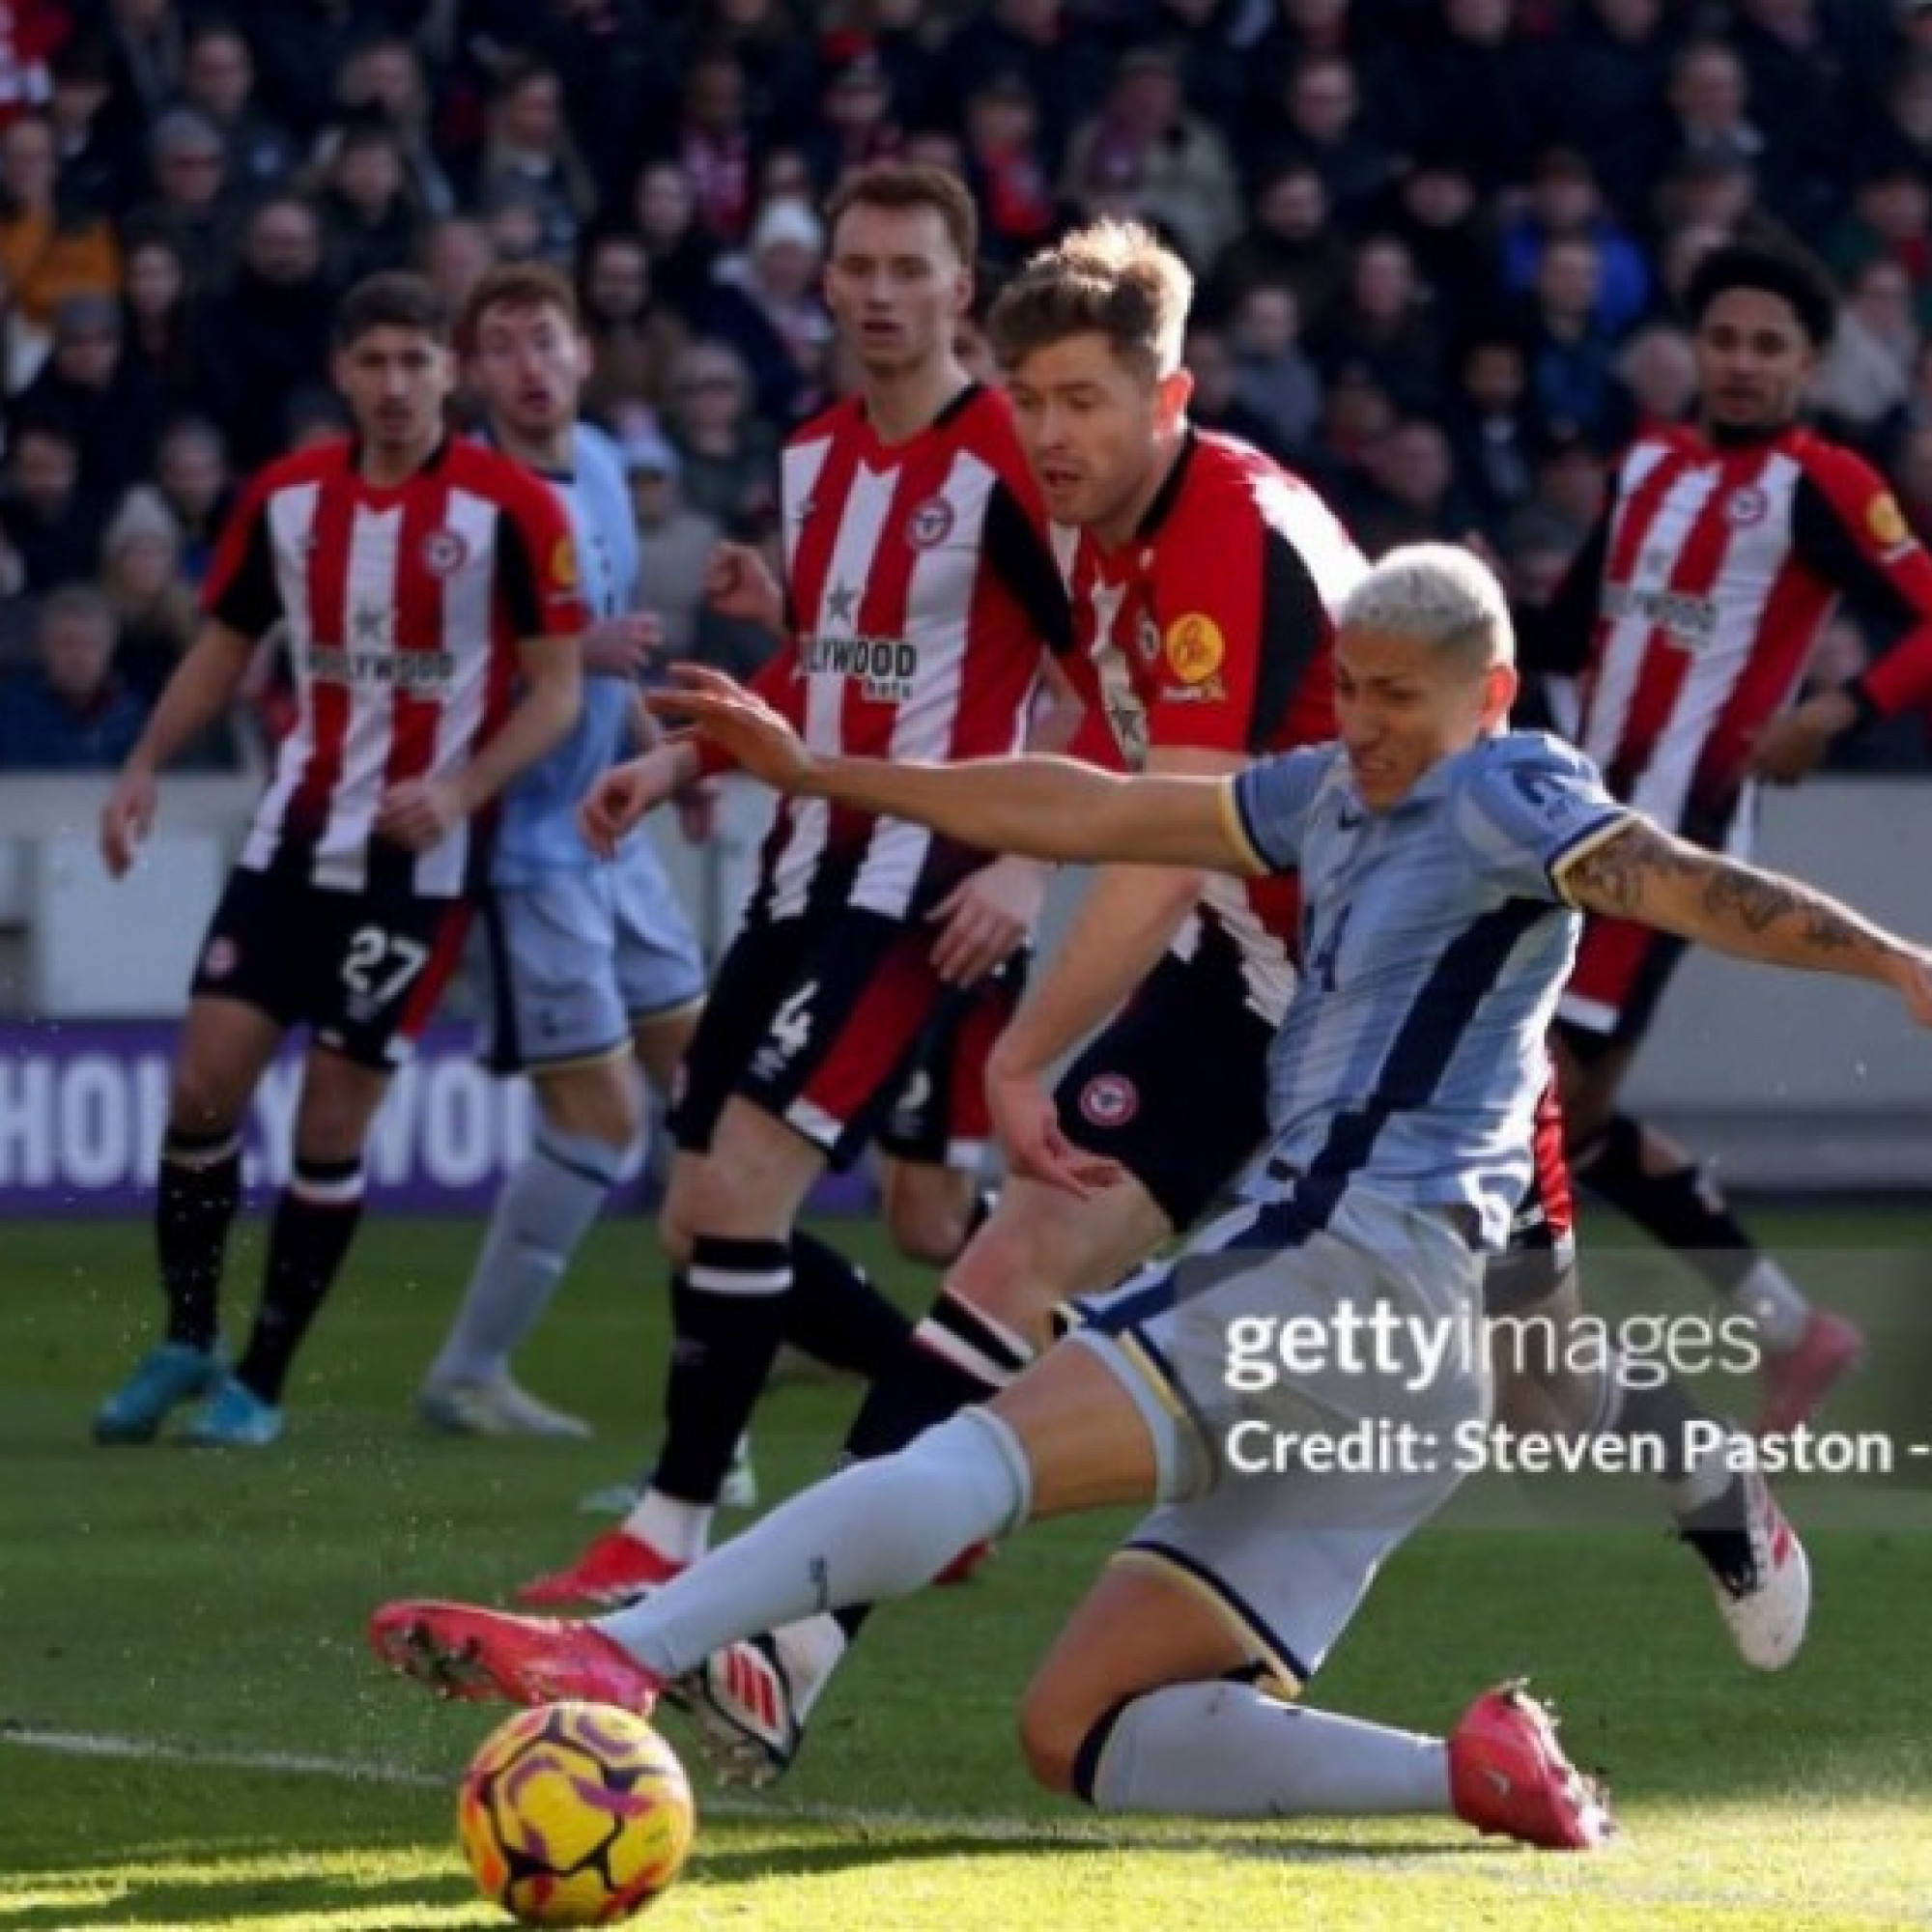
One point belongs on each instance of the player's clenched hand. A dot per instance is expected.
(126, 818)
(1028, 1125)
(738, 582)
(620, 798)
(418, 813)
(985, 917)
(739, 722)
(622, 646)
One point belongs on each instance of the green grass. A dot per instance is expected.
(201, 1616)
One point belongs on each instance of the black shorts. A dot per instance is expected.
(939, 1117)
(362, 970)
(816, 1020)
(1176, 1087)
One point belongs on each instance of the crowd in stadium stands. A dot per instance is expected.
(1438, 244)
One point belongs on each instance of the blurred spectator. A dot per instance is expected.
(1383, 322)
(1866, 377)
(88, 388)
(31, 31)
(1289, 239)
(1901, 130)
(453, 255)
(1708, 117)
(1435, 213)
(1471, 91)
(191, 472)
(219, 81)
(1570, 353)
(302, 46)
(190, 202)
(1606, 80)
(1413, 497)
(710, 148)
(634, 341)
(1217, 401)
(144, 47)
(682, 254)
(101, 166)
(1890, 218)
(727, 451)
(1063, 58)
(1571, 485)
(528, 152)
(1356, 414)
(775, 57)
(1182, 174)
(49, 251)
(267, 334)
(369, 222)
(24, 347)
(156, 325)
(768, 307)
(49, 528)
(675, 546)
(1006, 169)
(1273, 377)
(71, 712)
(1563, 202)
(1658, 368)
(1317, 122)
(141, 579)
(912, 40)
(1798, 81)
(1492, 428)
(384, 75)
(857, 122)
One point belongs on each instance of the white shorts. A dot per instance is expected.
(1254, 1515)
(580, 958)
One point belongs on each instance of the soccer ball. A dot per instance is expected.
(575, 1814)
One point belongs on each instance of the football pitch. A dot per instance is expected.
(192, 1733)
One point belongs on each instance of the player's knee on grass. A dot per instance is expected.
(1053, 1730)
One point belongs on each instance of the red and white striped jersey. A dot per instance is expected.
(1694, 606)
(403, 607)
(922, 596)
(1212, 629)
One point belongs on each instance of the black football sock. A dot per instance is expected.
(727, 1314)
(315, 1222)
(835, 1313)
(198, 1191)
(1683, 1208)
(954, 1358)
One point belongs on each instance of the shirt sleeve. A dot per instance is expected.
(1849, 530)
(537, 573)
(240, 591)
(1529, 811)
(1267, 805)
(1242, 642)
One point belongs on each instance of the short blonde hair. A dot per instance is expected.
(1436, 594)
(1111, 278)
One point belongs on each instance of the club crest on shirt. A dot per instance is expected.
(444, 553)
(930, 524)
(1744, 508)
(1109, 1100)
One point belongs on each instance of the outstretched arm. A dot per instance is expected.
(1045, 807)
(1644, 874)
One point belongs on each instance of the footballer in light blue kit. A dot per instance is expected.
(1444, 863)
(559, 911)
(592, 965)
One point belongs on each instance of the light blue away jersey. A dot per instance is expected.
(1434, 940)
(537, 834)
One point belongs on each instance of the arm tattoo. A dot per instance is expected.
(1647, 875)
